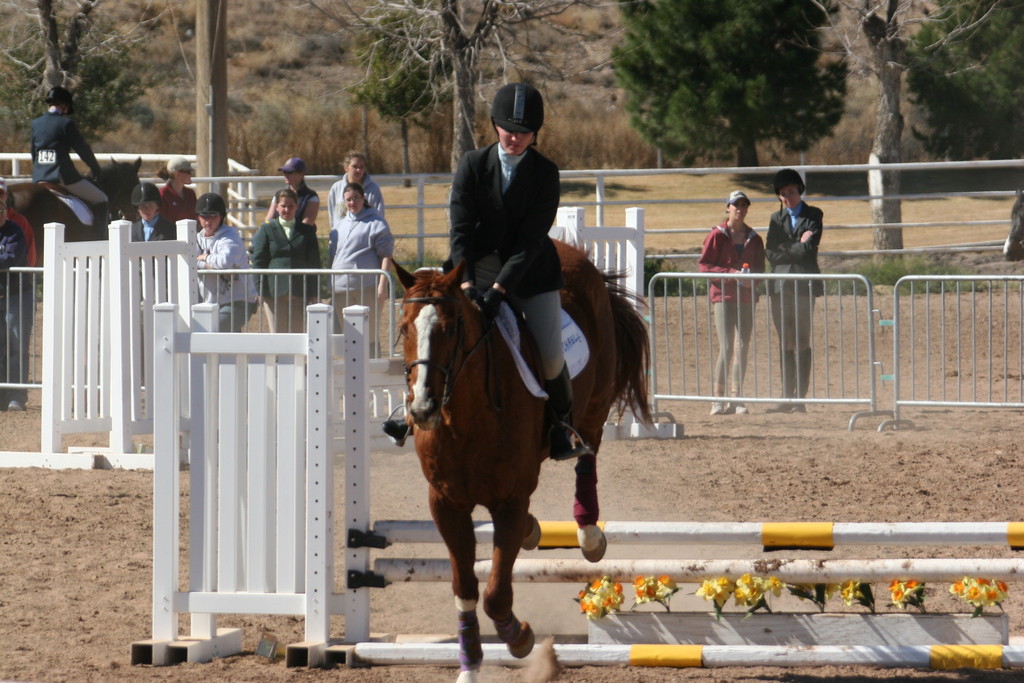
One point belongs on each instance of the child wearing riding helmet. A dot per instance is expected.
(794, 232)
(503, 202)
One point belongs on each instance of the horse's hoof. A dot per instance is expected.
(593, 543)
(523, 645)
(471, 676)
(532, 539)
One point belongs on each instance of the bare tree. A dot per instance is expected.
(62, 43)
(454, 39)
(873, 35)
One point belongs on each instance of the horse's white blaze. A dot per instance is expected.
(426, 320)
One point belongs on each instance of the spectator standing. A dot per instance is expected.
(361, 240)
(13, 343)
(355, 172)
(177, 199)
(221, 249)
(794, 233)
(284, 242)
(151, 226)
(732, 247)
(308, 200)
(54, 136)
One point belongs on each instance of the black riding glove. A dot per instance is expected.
(490, 303)
(472, 293)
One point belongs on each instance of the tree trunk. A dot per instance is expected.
(463, 107)
(53, 75)
(746, 154)
(888, 60)
(405, 146)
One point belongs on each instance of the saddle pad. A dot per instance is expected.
(574, 345)
(81, 210)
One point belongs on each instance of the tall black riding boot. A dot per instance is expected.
(788, 359)
(560, 416)
(803, 378)
(100, 218)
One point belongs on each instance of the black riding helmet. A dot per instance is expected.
(518, 108)
(145, 193)
(788, 176)
(211, 202)
(59, 95)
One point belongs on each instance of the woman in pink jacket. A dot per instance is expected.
(732, 247)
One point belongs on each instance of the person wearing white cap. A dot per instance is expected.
(177, 200)
(732, 247)
(308, 200)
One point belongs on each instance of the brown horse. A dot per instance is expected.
(39, 205)
(481, 435)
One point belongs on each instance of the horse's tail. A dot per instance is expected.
(633, 349)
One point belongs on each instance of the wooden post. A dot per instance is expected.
(211, 89)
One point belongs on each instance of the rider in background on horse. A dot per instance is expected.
(503, 202)
(54, 136)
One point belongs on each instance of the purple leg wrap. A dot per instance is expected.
(585, 509)
(509, 629)
(470, 651)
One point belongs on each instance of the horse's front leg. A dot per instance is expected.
(511, 523)
(456, 527)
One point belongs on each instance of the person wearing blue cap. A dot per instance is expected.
(308, 200)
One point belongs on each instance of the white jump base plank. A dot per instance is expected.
(680, 628)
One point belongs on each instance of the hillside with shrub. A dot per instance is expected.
(290, 70)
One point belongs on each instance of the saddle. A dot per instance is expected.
(77, 205)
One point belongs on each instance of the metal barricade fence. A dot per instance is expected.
(685, 347)
(313, 286)
(958, 342)
(21, 289)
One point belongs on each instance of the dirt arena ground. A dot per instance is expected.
(76, 545)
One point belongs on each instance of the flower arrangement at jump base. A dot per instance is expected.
(599, 597)
(603, 596)
(980, 593)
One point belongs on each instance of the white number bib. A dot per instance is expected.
(46, 156)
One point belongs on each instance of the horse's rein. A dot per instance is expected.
(449, 372)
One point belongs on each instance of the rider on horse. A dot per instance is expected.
(503, 202)
(54, 135)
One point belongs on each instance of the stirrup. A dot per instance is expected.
(562, 447)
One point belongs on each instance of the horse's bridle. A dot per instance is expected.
(449, 371)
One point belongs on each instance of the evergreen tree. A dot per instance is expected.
(971, 88)
(712, 77)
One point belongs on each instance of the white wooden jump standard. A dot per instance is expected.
(401, 570)
(926, 656)
(240, 560)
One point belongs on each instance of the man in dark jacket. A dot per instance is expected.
(151, 226)
(54, 136)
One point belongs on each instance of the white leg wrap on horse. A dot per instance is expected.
(465, 605)
(468, 677)
(592, 542)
